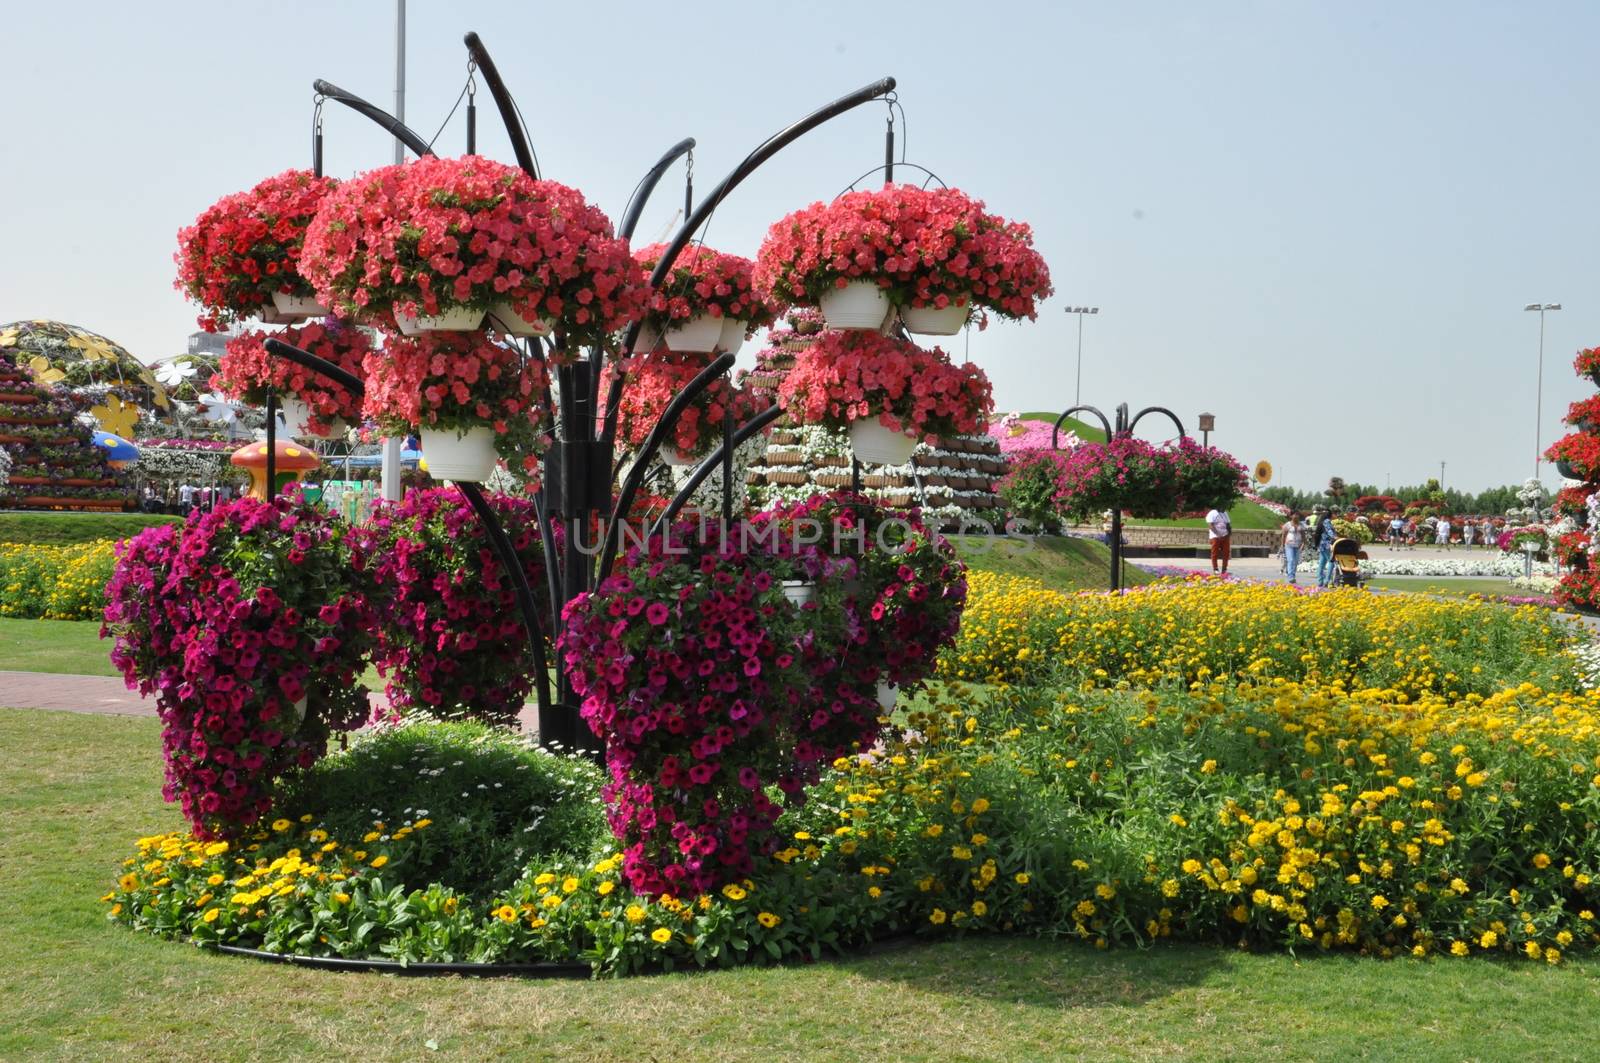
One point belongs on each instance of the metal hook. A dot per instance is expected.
(688, 183)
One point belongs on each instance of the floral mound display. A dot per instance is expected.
(1129, 793)
(450, 639)
(246, 629)
(436, 235)
(912, 248)
(102, 376)
(248, 373)
(710, 690)
(245, 249)
(51, 459)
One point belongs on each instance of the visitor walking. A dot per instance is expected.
(1219, 529)
(1397, 528)
(1468, 529)
(1489, 539)
(1441, 533)
(1327, 571)
(1293, 535)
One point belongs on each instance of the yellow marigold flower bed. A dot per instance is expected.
(54, 582)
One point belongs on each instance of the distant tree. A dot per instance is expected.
(1336, 489)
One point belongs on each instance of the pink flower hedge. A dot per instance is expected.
(248, 631)
(851, 376)
(246, 246)
(450, 638)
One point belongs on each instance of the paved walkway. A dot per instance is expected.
(107, 696)
(1271, 568)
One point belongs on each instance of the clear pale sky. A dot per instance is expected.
(1318, 221)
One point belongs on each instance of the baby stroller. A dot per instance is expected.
(1347, 558)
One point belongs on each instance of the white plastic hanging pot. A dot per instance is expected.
(888, 694)
(468, 457)
(698, 335)
(871, 441)
(647, 339)
(503, 319)
(932, 321)
(732, 337)
(292, 308)
(673, 456)
(297, 421)
(799, 591)
(858, 305)
(451, 319)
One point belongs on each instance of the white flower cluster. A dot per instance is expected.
(181, 465)
(1587, 653)
(1502, 565)
(1538, 583)
(5, 467)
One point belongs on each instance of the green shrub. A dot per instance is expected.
(66, 529)
(496, 801)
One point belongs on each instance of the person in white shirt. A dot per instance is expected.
(1219, 529)
(1442, 533)
(186, 498)
(1293, 535)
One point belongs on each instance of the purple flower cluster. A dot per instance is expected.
(244, 627)
(450, 636)
(709, 685)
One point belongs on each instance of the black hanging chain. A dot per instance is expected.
(472, 107)
(316, 133)
(688, 184)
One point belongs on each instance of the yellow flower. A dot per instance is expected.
(733, 892)
(979, 908)
(370, 836)
(544, 879)
(605, 888)
(505, 913)
(214, 880)
(569, 884)
(281, 825)
(1208, 767)
(937, 916)
(1541, 860)
(1105, 891)
(767, 919)
(634, 914)
(1022, 878)
(211, 915)
(1459, 948)
(874, 892)
(341, 898)
(980, 839)
(980, 806)
(379, 861)
(1488, 940)
(961, 852)
(421, 823)
(661, 935)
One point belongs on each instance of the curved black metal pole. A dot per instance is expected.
(474, 496)
(503, 100)
(711, 461)
(652, 444)
(398, 129)
(1158, 409)
(692, 224)
(647, 185)
(549, 724)
(1055, 434)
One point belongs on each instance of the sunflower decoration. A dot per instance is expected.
(1263, 472)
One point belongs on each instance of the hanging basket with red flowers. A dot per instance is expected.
(935, 254)
(472, 399)
(312, 402)
(887, 392)
(654, 380)
(437, 244)
(707, 303)
(240, 258)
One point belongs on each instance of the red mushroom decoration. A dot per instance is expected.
(292, 461)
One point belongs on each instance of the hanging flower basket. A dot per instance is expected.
(448, 319)
(936, 321)
(504, 318)
(422, 238)
(698, 335)
(293, 308)
(732, 336)
(242, 252)
(653, 382)
(887, 387)
(247, 373)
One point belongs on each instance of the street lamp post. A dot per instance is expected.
(1538, 395)
(1077, 391)
(1208, 424)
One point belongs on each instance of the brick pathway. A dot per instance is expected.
(107, 695)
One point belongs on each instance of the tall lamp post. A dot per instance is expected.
(1538, 395)
(1077, 391)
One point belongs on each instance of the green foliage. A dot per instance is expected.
(496, 801)
(1353, 529)
(1030, 485)
(65, 529)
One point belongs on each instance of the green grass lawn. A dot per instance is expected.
(1455, 588)
(1064, 564)
(64, 529)
(72, 647)
(1246, 515)
(73, 986)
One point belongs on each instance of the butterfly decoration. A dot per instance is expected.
(43, 371)
(116, 416)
